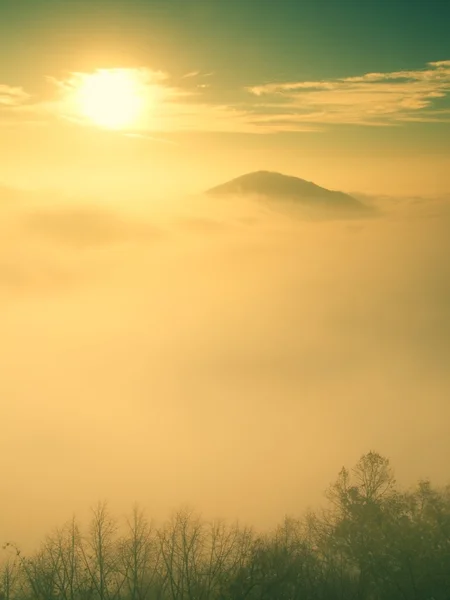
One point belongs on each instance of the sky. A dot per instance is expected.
(224, 107)
(162, 347)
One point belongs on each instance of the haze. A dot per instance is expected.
(161, 346)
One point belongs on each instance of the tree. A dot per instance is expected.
(360, 500)
(182, 542)
(9, 573)
(99, 554)
(139, 557)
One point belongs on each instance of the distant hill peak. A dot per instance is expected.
(276, 187)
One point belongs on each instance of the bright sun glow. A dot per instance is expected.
(111, 98)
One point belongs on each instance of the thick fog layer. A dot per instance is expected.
(215, 353)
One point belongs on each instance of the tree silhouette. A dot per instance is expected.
(372, 542)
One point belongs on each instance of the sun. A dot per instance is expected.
(110, 98)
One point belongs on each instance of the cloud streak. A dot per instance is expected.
(11, 96)
(373, 99)
(376, 99)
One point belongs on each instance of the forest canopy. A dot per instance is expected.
(372, 541)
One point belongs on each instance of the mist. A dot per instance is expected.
(219, 353)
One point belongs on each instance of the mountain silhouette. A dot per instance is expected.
(276, 187)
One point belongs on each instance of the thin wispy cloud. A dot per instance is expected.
(370, 99)
(191, 74)
(167, 107)
(373, 99)
(197, 74)
(11, 96)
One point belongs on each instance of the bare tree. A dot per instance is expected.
(140, 557)
(182, 543)
(64, 558)
(227, 549)
(99, 554)
(36, 578)
(374, 477)
(9, 574)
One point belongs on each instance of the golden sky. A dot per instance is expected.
(374, 132)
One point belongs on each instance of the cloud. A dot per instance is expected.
(201, 225)
(16, 107)
(381, 99)
(290, 345)
(151, 86)
(372, 99)
(12, 96)
(410, 208)
(204, 116)
(49, 242)
(197, 74)
(170, 108)
(191, 74)
(87, 226)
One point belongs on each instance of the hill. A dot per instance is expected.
(276, 187)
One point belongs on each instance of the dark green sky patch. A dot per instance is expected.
(246, 40)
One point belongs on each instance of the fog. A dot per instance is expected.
(215, 353)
